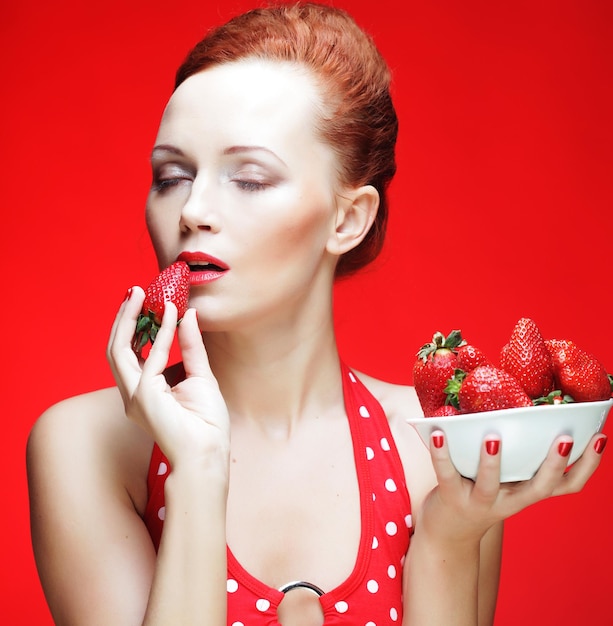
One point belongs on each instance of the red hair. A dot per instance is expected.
(358, 119)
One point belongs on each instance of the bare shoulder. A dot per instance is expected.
(400, 403)
(397, 400)
(89, 434)
(87, 479)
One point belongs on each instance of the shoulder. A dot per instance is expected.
(88, 419)
(400, 402)
(87, 482)
(88, 437)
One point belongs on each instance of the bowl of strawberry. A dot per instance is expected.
(537, 390)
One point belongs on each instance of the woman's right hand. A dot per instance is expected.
(189, 420)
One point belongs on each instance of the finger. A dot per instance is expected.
(132, 293)
(159, 354)
(446, 473)
(195, 359)
(487, 483)
(124, 363)
(116, 320)
(125, 321)
(553, 467)
(581, 471)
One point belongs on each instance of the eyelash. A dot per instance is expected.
(250, 185)
(162, 185)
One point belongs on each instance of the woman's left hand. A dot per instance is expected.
(459, 507)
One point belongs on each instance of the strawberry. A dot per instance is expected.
(470, 356)
(527, 358)
(577, 373)
(435, 365)
(445, 410)
(487, 388)
(170, 285)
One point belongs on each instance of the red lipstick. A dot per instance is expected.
(204, 268)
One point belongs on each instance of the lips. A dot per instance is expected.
(204, 268)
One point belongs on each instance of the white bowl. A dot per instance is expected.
(526, 434)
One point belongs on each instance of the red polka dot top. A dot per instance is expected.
(372, 594)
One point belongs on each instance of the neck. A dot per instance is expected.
(279, 377)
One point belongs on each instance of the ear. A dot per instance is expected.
(355, 214)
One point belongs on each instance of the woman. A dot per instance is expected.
(298, 494)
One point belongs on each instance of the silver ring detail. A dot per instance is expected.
(302, 584)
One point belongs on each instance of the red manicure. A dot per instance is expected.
(492, 446)
(437, 440)
(128, 294)
(564, 448)
(600, 444)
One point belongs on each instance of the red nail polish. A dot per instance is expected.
(564, 448)
(437, 440)
(492, 446)
(600, 444)
(128, 294)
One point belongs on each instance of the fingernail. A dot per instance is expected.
(492, 446)
(600, 444)
(564, 448)
(438, 440)
(128, 294)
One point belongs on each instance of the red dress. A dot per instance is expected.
(372, 594)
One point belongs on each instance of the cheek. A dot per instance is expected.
(159, 229)
(306, 233)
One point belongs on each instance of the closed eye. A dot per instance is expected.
(250, 185)
(161, 185)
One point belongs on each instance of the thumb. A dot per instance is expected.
(195, 359)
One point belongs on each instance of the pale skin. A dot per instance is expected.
(265, 198)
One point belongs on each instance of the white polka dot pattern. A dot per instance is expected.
(391, 528)
(341, 607)
(390, 485)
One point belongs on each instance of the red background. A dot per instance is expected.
(502, 208)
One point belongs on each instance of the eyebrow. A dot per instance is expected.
(167, 148)
(239, 149)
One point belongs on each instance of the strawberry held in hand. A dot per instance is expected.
(527, 358)
(170, 285)
(435, 365)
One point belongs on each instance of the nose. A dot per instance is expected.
(199, 211)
